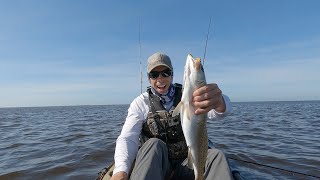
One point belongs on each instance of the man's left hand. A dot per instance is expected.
(208, 97)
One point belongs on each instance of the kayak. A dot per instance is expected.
(106, 173)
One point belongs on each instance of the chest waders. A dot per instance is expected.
(160, 124)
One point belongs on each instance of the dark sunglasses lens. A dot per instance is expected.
(166, 73)
(153, 74)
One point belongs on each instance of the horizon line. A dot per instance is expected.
(257, 101)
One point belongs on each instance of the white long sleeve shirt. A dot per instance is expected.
(128, 141)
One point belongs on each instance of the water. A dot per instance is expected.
(76, 142)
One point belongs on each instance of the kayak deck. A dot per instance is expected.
(106, 173)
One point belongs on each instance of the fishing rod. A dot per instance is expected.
(268, 166)
(140, 57)
(205, 48)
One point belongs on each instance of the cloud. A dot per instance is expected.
(296, 79)
(60, 83)
(100, 91)
(286, 71)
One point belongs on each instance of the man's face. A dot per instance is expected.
(160, 83)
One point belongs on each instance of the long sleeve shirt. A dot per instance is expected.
(128, 141)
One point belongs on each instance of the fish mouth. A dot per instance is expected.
(197, 63)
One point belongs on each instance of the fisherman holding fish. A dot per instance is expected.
(165, 134)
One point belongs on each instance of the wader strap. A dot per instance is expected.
(177, 94)
(154, 100)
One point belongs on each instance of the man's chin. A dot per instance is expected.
(162, 90)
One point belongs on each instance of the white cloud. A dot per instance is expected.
(282, 72)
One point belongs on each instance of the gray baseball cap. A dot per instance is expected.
(158, 59)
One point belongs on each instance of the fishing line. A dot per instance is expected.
(295, 172)
(205, 48)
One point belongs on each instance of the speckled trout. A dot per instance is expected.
(194, 126)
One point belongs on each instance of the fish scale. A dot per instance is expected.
(194, 126)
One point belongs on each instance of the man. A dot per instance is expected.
(151, 144)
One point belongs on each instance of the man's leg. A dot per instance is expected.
(151, 161)
(216, 168)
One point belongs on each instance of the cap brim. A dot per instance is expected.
(152, 67)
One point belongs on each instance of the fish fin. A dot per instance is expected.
(190, 159)
(188, 112)
(176, 110)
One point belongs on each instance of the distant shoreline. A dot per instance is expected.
(273, 101)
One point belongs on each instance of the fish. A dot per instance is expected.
(194, 127)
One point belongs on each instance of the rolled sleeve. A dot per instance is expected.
(213, 114)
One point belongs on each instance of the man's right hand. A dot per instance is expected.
(120, 176)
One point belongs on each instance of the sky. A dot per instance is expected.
(80, 52)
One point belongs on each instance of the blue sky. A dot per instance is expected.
(83, 52)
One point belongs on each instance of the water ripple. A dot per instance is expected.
(76, 142)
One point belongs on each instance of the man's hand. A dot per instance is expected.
(120, 176)
(208, 97)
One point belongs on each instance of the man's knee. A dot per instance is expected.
(215, 154)
(152, 148)
(155, 143)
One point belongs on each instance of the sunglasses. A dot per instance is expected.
(164, 73)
